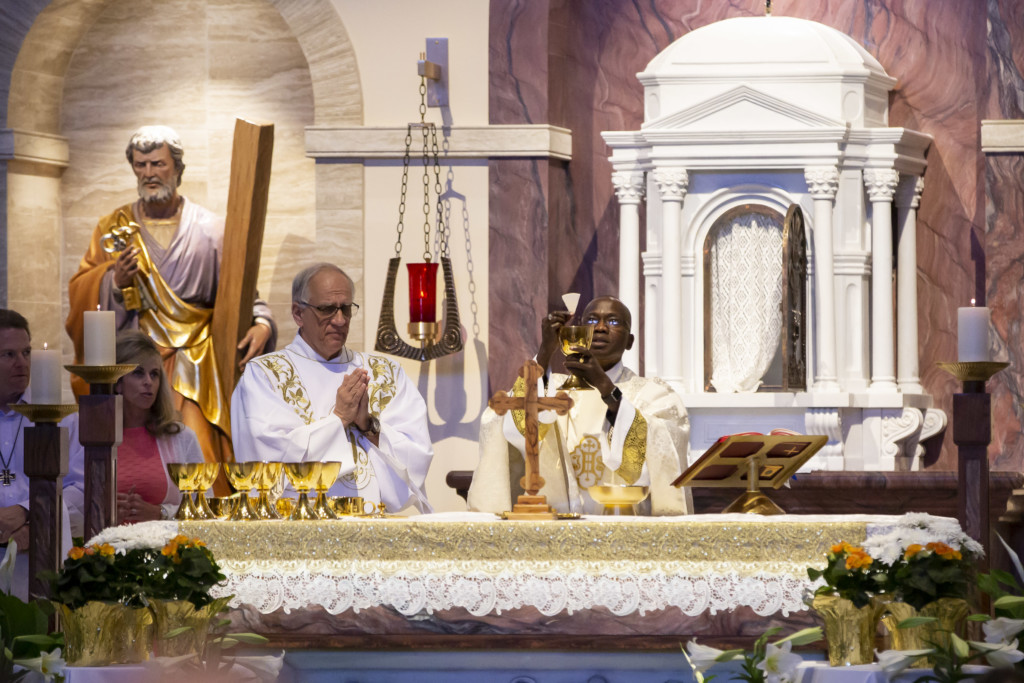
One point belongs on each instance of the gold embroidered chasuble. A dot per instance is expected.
(646, 446)
(283, 407)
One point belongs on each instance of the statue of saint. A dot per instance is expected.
(156, 263)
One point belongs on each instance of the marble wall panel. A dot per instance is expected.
(1004, 236)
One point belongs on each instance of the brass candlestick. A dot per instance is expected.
(45, 412)
(101, 374)
(973, 371)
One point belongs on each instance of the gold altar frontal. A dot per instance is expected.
(480, 582)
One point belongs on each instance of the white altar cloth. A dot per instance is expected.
(474, 561)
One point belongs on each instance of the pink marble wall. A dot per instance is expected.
(951, 76)
(1002, 238)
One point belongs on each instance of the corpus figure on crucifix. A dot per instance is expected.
(627, 430)
(157, 263)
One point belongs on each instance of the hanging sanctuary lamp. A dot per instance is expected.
(423, 325)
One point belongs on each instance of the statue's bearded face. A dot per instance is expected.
(156, 174)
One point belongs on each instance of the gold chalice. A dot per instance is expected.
(328, 475)
(206, 479)
(186, 476)
(242, 476)
(619, 500)
(303, 477)
(570, 336)
(221, 508)
(269, 475)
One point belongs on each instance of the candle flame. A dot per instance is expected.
(972, 302)
(97, 307)
(44, 346)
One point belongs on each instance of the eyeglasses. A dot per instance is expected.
(328, 311)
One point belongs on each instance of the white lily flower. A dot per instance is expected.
(895, 661)
(702, 657)
(49, 664)
(266, 667)
(1001, 655)
(779, 665)
(1002, 629)
(7, 567)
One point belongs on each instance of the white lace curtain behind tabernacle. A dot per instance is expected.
(745, 269)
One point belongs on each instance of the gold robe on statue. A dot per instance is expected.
(177, 288)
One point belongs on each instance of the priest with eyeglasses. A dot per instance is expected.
(627, 430)
(317, 400)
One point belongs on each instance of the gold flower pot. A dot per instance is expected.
(950, 615)
(170, 615)
(849, 630)
(102, 633)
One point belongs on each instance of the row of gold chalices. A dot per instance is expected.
(195, 478)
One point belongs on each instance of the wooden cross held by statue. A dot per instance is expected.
(531, 506)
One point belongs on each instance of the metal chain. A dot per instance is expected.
(427, 229)
(442, 226)
(405, 188)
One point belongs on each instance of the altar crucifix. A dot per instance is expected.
(531, 506)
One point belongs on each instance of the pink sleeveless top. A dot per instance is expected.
(139, 465)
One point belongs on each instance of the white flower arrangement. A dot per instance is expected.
(137, 536)
(920, 528)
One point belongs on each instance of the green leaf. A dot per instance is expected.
(249, 638)
(804, 636)
(914, 622)
(978, 617)
(1009, 601)
(175, 632)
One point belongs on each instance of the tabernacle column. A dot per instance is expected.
(822, 183)
(672, 184)
(629, 188)
(908, 372)
(881, 186)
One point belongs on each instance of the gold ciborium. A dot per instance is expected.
(206, 479)
(328, 475)
(186, 476)
(243, 476)
(580, 336)
(269, 475)
(619, 500)
(303, 477)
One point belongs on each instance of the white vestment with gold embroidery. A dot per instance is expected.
(282, 410)
(582, 449)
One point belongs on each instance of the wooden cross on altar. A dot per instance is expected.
(531, 505)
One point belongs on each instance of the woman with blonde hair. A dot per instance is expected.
(153, 435)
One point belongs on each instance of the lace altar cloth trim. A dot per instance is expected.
(560, 587)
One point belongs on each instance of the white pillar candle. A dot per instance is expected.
(99, 335)
(972, 333)
(45, 374)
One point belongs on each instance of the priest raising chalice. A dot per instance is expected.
(623, 430)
